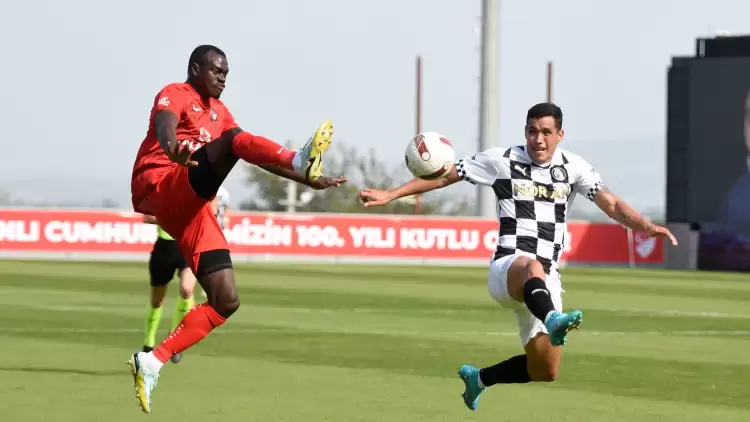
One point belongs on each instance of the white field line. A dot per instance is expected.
(670, 313)
(625, 311)
(76, 330)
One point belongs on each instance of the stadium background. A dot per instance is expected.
(342, 319)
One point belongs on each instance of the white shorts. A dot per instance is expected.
(497, 284)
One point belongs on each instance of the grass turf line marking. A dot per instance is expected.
(626, 311)
(75, 330)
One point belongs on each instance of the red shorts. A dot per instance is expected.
(183, 214)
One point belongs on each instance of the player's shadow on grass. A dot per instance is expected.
(62, 371)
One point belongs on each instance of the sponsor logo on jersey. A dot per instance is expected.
(192, 144)
(205, 136)
(544, 192)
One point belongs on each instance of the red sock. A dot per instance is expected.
(196, 325)
(260, 150)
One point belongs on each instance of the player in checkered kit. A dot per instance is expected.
(534, 184)
(532, 199)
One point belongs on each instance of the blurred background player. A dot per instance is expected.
(220, 207)
(534, 185)
(164, 261)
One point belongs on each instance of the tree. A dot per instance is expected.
(361, 170)
(110, 203)
(5, 198)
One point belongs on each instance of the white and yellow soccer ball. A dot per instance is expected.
(429, 156)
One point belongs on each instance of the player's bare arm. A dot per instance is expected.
(166, 126)
(620, 211)
(149, 219)
(322, 182)
(375, 197)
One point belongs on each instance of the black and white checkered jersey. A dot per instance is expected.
(532, 200)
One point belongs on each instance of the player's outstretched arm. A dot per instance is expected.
(322, 182)
(618, 210)
(149, 219)
(375, 197)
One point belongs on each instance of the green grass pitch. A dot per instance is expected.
(373, 343)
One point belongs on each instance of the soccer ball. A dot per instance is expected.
(429, 156)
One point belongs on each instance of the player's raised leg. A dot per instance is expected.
(526, 284)
(223, 153)
(522, 286)
(308, 161)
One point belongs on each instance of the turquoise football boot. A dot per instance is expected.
(560, 323)
(470, 376)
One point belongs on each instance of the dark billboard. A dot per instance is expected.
(710, 175)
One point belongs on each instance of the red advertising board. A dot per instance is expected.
(333, 235)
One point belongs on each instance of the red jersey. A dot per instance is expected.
(200, 121)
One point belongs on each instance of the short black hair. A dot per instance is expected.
(199, 54)
(546, 110)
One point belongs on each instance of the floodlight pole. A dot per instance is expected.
(489, 113)
(549, 81)
(291, 192)
(418, 119)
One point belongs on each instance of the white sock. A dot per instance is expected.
(298, 163)
(150, 363)
(479, 381)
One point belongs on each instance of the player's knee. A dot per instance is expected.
(543, 373)
(187, 283)
(186, 292)
(216, 273)
(228, 306)
(543, 360)
(533, 268)
(157, 296)
(548, 376)
(225, 299)
(222, 292)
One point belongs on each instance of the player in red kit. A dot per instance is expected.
(192, 144)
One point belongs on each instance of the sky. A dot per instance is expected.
(82, 76)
